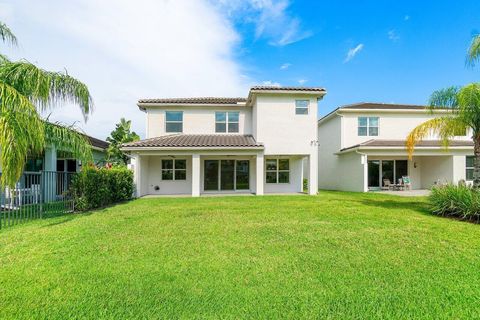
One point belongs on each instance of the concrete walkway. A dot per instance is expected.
(407, 193)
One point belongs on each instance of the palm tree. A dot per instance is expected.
(473, 54)
(119, 136)
(26, 91)
(461, 110)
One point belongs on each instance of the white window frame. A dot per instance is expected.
(227, 122)
(303, 108)
(368, 127)
(174, 170)
(469, 168)
(277, 171)
(167, 121)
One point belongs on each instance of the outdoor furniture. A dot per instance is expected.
(407, 183)
(387, 185)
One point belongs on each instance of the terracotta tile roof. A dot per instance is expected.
(279, 88)
(401, 143)
(197, 100)
(197, 141)
(375, 105)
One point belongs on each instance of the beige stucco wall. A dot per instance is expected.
(196, 120)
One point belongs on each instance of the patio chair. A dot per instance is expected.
(387, 185)
(407, 183)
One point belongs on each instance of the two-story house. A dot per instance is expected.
(363, 144)
(256, 144)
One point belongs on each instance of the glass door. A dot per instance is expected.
(401, 169)
(227, 175)
(387, 171)
(243, 175)
(374, 173)
(210, 179)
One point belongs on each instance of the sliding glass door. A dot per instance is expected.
(220, 175)
(381, 170)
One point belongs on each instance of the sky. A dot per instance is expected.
(375, 51)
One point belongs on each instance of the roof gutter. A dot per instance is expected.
(188, 148)
(366, 148)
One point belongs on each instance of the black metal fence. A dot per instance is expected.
(35, 195)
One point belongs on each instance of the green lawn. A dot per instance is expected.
(336, 255)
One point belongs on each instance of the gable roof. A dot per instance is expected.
(97, 143)
(197, 141)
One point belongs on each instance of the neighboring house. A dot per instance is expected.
(58, 160)
(228, 145)
(362, 144)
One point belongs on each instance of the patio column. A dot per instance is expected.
(312, 174)
(195, 175)
(259, 174)
(137, 174)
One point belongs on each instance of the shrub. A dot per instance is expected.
(95, 188)
(456, 201)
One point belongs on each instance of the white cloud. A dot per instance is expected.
(392, 35)
(125, 50)
(353, 52)
(271, 18)
(271, 83)
(285, 66)
(302, 81)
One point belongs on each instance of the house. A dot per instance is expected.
(362, 144)
(256, 144)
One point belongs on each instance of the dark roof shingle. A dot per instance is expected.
(197, 141)
(402, 143)
(97, 142)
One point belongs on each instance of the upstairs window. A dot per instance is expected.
(174, 121)
(226, 121)
(301, 106)
(174, 169)
(277, 170)
(470, 160)
(368, 126)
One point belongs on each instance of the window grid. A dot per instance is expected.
(227, 121)
(277, 171)
(301, 106)
(469, 166)
(174, 169)
(368, 126)
(172, 124)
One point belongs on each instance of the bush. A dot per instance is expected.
(94, 188)
(456, 201)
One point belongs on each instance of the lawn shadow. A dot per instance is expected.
(393, 204)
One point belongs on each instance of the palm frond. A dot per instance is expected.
(444, 98)
(7, 35)
(46, 89)
(443, 127)
(21, 133)
(469, 105)
(473, 54)
(69, 139)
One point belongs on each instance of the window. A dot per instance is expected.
(470, 160)
(174, 121)
(226, 121)
(301, 106)
(174, 169)
(368, 126)
(277, 171)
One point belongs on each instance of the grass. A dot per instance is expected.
(336, 255)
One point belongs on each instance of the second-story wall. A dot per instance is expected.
(196, 119)
(391, 125)
(280, 129)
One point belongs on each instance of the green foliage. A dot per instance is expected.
(25, 90)
(473, 54)
(119, 136)
(456, 201)
(99, 187)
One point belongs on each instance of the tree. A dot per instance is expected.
(461, 111)
(120, 135)
(25, 91)
(473, 54)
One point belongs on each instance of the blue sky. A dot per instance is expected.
(381, 51)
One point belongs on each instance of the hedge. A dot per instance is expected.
(98, 187)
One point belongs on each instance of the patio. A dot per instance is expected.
(406, 193)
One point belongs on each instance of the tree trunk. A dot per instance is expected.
(476, 162)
